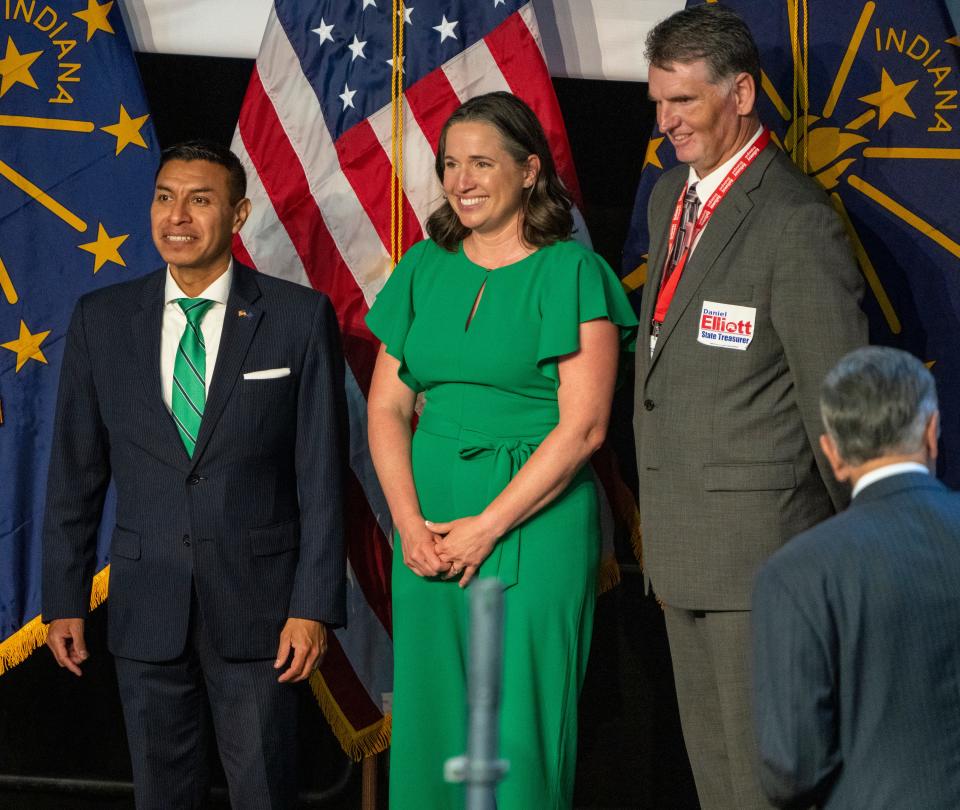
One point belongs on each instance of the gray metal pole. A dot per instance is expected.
(480, 769)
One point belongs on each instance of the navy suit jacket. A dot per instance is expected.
(857, 655)
(253, 521)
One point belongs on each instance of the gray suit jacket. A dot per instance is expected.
(253, 521)
(857, 655)
(727, 440)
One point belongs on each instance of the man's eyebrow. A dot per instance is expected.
(199, 190)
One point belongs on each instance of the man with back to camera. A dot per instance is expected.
(857, 620)
(213, 396)
(752, 295)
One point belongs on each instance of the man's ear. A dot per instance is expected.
(931, 436)
(745, 93)
(841, 470)
(240, 213)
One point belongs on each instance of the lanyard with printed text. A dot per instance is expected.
(669, 285)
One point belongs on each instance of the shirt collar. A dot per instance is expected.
(707, 185)
(880, 473)
(218, 291)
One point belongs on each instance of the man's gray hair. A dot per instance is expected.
(712, 33)
(876, 402)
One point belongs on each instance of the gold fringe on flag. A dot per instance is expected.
(18, 647)
(608, 577)
(625, 508)
(636, 536)
(357, 743)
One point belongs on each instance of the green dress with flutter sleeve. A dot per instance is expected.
(490, 385)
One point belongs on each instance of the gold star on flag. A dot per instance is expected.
(27, 346)
(651, 158)
(15, 67)
(127, 130)
(96, 17)
(105, 249)
(891, 98)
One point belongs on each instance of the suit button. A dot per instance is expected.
(648, 404)
(186, 539)
(193, 480)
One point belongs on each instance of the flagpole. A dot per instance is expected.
(370, 782)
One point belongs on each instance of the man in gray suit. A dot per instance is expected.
(213, 397)
(752, 295)
(857, 620)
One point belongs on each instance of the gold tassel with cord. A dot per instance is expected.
(396, 136)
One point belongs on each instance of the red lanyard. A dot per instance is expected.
(669, 287)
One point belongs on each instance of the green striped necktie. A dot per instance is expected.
(189, 373)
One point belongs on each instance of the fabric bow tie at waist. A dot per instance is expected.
(508, 457)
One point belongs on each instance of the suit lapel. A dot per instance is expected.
(240, 323)
(726, 220)
(146, 327)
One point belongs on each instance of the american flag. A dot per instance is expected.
(315, 137)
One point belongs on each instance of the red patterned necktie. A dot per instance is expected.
(684, 239)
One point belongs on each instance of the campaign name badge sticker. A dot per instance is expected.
(727, 326)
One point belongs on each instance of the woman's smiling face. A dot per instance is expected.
(482, 181)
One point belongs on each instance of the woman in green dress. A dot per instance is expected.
(513, 333)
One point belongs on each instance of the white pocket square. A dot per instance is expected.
(267, 374)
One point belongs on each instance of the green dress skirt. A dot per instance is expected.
(490, 386)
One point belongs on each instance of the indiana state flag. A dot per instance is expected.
(864, 96)
(77, 159)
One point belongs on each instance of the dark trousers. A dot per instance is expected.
(254, 720)
(711, 668)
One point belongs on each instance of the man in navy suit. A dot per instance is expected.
(857, 621)
(213, 397)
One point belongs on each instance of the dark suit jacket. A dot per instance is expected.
(727, 440)
(857, 655)
(253, 520)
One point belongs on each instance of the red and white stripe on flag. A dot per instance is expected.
(321, 216)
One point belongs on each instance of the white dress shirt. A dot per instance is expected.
(174, 322)
(705, 188)
(709, 184)
(880, 473)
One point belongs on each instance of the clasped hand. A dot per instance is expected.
(462, 545)
(452, 549)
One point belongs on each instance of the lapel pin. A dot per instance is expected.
(242, 313)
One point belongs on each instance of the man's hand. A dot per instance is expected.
(306, 640)
(66, 642)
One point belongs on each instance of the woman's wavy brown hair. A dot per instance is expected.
(546, 205)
